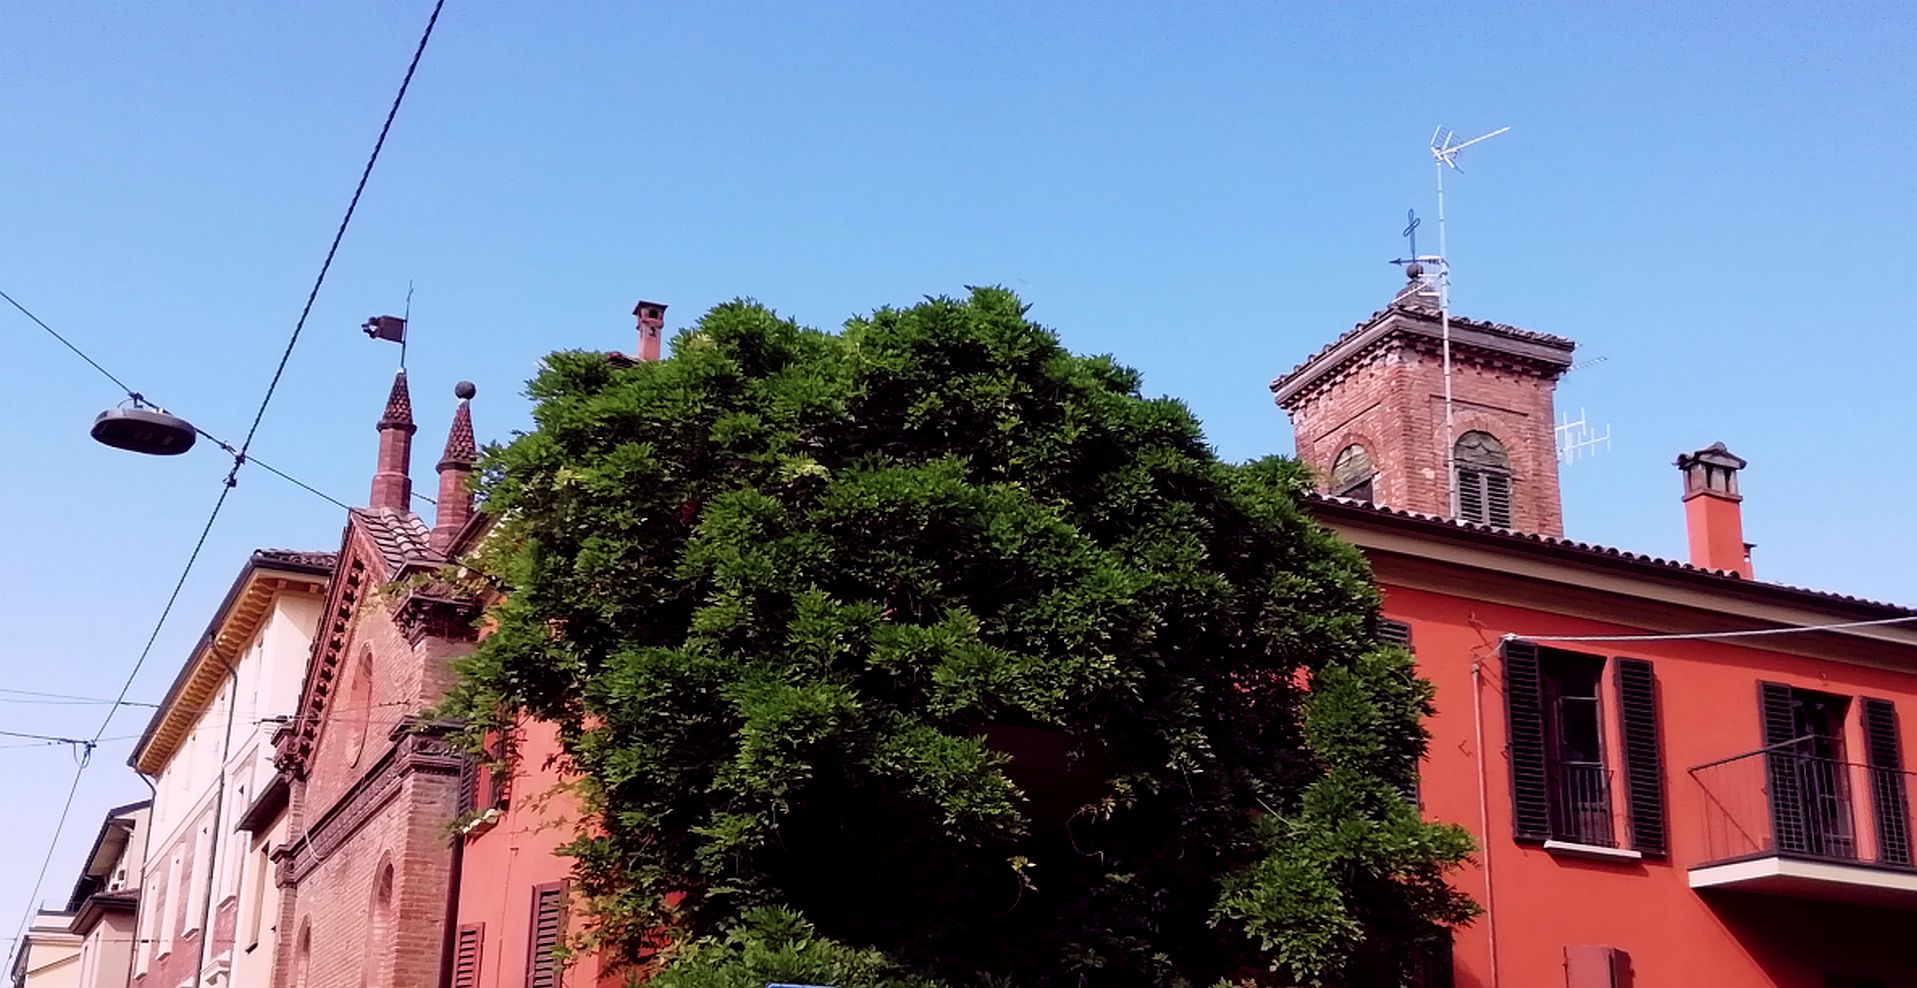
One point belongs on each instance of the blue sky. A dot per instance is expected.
(1713, 197)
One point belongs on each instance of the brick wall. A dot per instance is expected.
(1392, 402)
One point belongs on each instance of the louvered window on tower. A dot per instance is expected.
(548, 927)
(1352, 474)
(1483, 473)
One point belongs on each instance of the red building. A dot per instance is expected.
(1666, 790)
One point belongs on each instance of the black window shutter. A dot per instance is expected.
(1395, 632)
(466, 951)
(1524, 726)
(1643, 755)
(468, 786)
(1780, 768)
(1887, 794)
(548, 925)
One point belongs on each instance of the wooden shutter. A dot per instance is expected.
(1497, 499)
(1471, 495)
(1643, 755)
(1887, 794)
(466, 951)
(1780, 768)
(1524, 727)
(1395, 632)
(548, 926)
(468, 786)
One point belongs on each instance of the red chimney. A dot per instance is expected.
(455, 468)
(393, 482)
(1713, 510)
(652, 324)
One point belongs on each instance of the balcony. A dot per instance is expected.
(1778, 822)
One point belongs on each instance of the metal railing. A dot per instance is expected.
(1581, 804)
(1778, 801)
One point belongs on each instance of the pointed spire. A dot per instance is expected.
(392, 480)
(455, 472)
(399, 406)
(461, 450)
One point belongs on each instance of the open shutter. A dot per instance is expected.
(468, 786)
(1643, 754)
(1780, 768)
(1524, 726)
(548, 925)
(1887, 794)
(466, 951)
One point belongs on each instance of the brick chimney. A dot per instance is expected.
(393, 482)
(1714, 511)
(652, 325)
(455, 469)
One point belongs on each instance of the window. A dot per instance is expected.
(379, 932)
(303, 955)
(195, 899)
(1574, 749)
(1808, 779)
(256, 911)
(468, 947)
(1483, 474)
(357, 714)
(548, 926)
(1560, 771)
(1352, 474)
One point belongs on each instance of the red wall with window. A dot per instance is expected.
(1708, 708)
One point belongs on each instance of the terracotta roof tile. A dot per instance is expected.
(1607, 552)
(296, 557)
(1405, 306)
(401, 537)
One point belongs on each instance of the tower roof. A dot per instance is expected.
(461, 450)
(1412, 320)
(399, 405)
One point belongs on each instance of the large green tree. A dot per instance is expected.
(929, 653)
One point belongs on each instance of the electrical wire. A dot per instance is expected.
(239, 456)
(1701, 635)
(68, 697)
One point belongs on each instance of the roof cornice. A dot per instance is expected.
(1472, 340)
(267, 575)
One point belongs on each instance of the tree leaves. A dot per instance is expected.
(930, 652)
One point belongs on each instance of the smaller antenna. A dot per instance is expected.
(1577, 439)
(1445, 145)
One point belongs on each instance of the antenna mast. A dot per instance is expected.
(1445, 146)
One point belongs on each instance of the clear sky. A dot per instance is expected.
(1714, 197)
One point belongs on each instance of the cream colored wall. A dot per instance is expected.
(53, 959)
(105, 957)
(259, 910)
(264, 691)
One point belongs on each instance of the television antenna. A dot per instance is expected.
(1445, 147)
(1577, 439)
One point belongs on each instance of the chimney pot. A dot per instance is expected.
(652, 324)
(1714, 511)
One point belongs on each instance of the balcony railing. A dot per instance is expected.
(1581, 809)
(1777, 802)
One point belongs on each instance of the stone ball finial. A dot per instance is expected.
(464, 390)
(1413, 270)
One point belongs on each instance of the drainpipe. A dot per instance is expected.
(448, 948)
(146, 852)
(1484, 813)
(219, 799)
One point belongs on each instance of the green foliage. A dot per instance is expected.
(949, 642)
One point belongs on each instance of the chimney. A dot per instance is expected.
(455, 468)
(1713, 510)
(652, 324)
(393, 482)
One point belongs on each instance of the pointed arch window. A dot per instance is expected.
(1352, 474)
(1483, 471)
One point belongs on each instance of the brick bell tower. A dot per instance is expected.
(1368, 414)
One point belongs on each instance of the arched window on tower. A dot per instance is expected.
(1352, 473)
(1484, 479)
